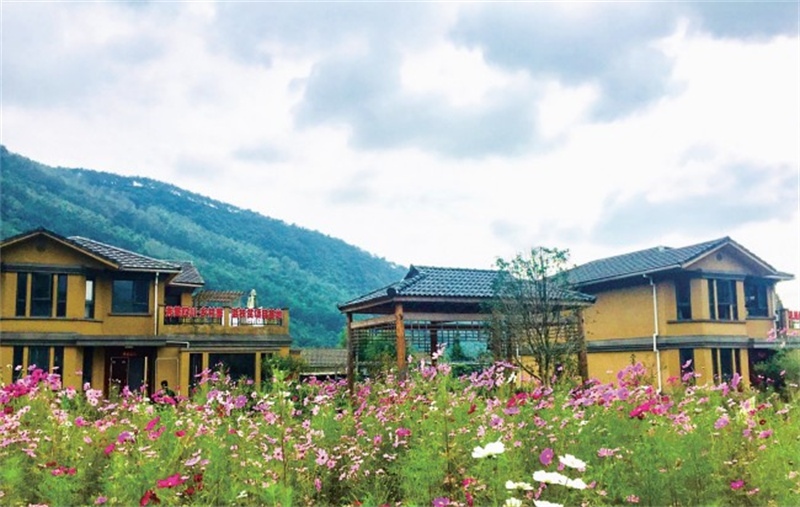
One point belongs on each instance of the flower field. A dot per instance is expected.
(429, 440)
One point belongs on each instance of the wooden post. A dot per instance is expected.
(583, 360)
(351, 376)
(434, 344)
(400, 329)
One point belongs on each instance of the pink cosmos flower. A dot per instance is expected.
(152, 424)
(180, 433)
(402, 432)
(737, 484)
(171, 481)
(317, 484)
(606, 453)
(765, 434)
(442, 501)
(632, 499)
(100, 500)
(110, 448)
(721, 422)
(546, 457)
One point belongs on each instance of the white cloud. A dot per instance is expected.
(218, 115)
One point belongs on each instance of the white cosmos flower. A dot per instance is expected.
(557, 478)
(519, 485)
(492, 449)
(571, 461)
(513, 502)
(550, 477)
(576, 484)
(542, 503)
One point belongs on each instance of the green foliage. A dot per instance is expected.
(234, 249)
(533, 314)
(405, 443)
(780, 369)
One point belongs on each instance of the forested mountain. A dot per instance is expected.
(235, 249)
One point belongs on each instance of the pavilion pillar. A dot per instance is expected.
(434, 344)
(351, 356)
(400, 329)
(583, 360)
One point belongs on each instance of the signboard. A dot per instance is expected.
(793, 319)
(238, 316)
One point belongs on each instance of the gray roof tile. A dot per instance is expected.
(638, 263)
(127, 260)
(428, 281)
(189, 275)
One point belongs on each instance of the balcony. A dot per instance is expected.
(185, 320)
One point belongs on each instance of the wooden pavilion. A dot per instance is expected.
(429, 307)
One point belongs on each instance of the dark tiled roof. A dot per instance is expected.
(189, 275)
(638, 263)
(427, 281)
(127, 260)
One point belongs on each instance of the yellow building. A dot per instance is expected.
(104, 315)
(711, 303)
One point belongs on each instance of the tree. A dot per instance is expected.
(535, 317)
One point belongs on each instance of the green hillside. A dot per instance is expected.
(234, 249)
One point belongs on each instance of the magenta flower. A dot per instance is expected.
(171, 481)
(152, 424)
(125, 435)
(402, 432)
(765, 434)
(546, 457)
(442, 501)
(110, 448)
(721, 422)
(737, 484)
(180, 433)
(100, 500)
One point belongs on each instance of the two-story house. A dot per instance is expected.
(103, 315)
(712, 303)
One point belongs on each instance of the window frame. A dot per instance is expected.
(89, 298)
(21, 309)
(761, 305)
(130, 305)
(41, 306)
(718, 307)
(62, 289)
(683, 307)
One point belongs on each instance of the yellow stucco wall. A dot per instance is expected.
(168, 367)
(622, 313)
(6, 364)
(725, 260)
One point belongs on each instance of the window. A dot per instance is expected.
(726, 362)
(19, 367)
(88, 306)
(722, 304)
(88, 358)
(39, 356)
(61, 296)
(22, 294)
(195, 367)
(687, 360)
(755, 299)
(683, 299)
(41, 295)
(130, 296)
(236, 365)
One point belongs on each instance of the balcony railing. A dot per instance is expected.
(223, 320)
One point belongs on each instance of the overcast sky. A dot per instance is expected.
(434, 134)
